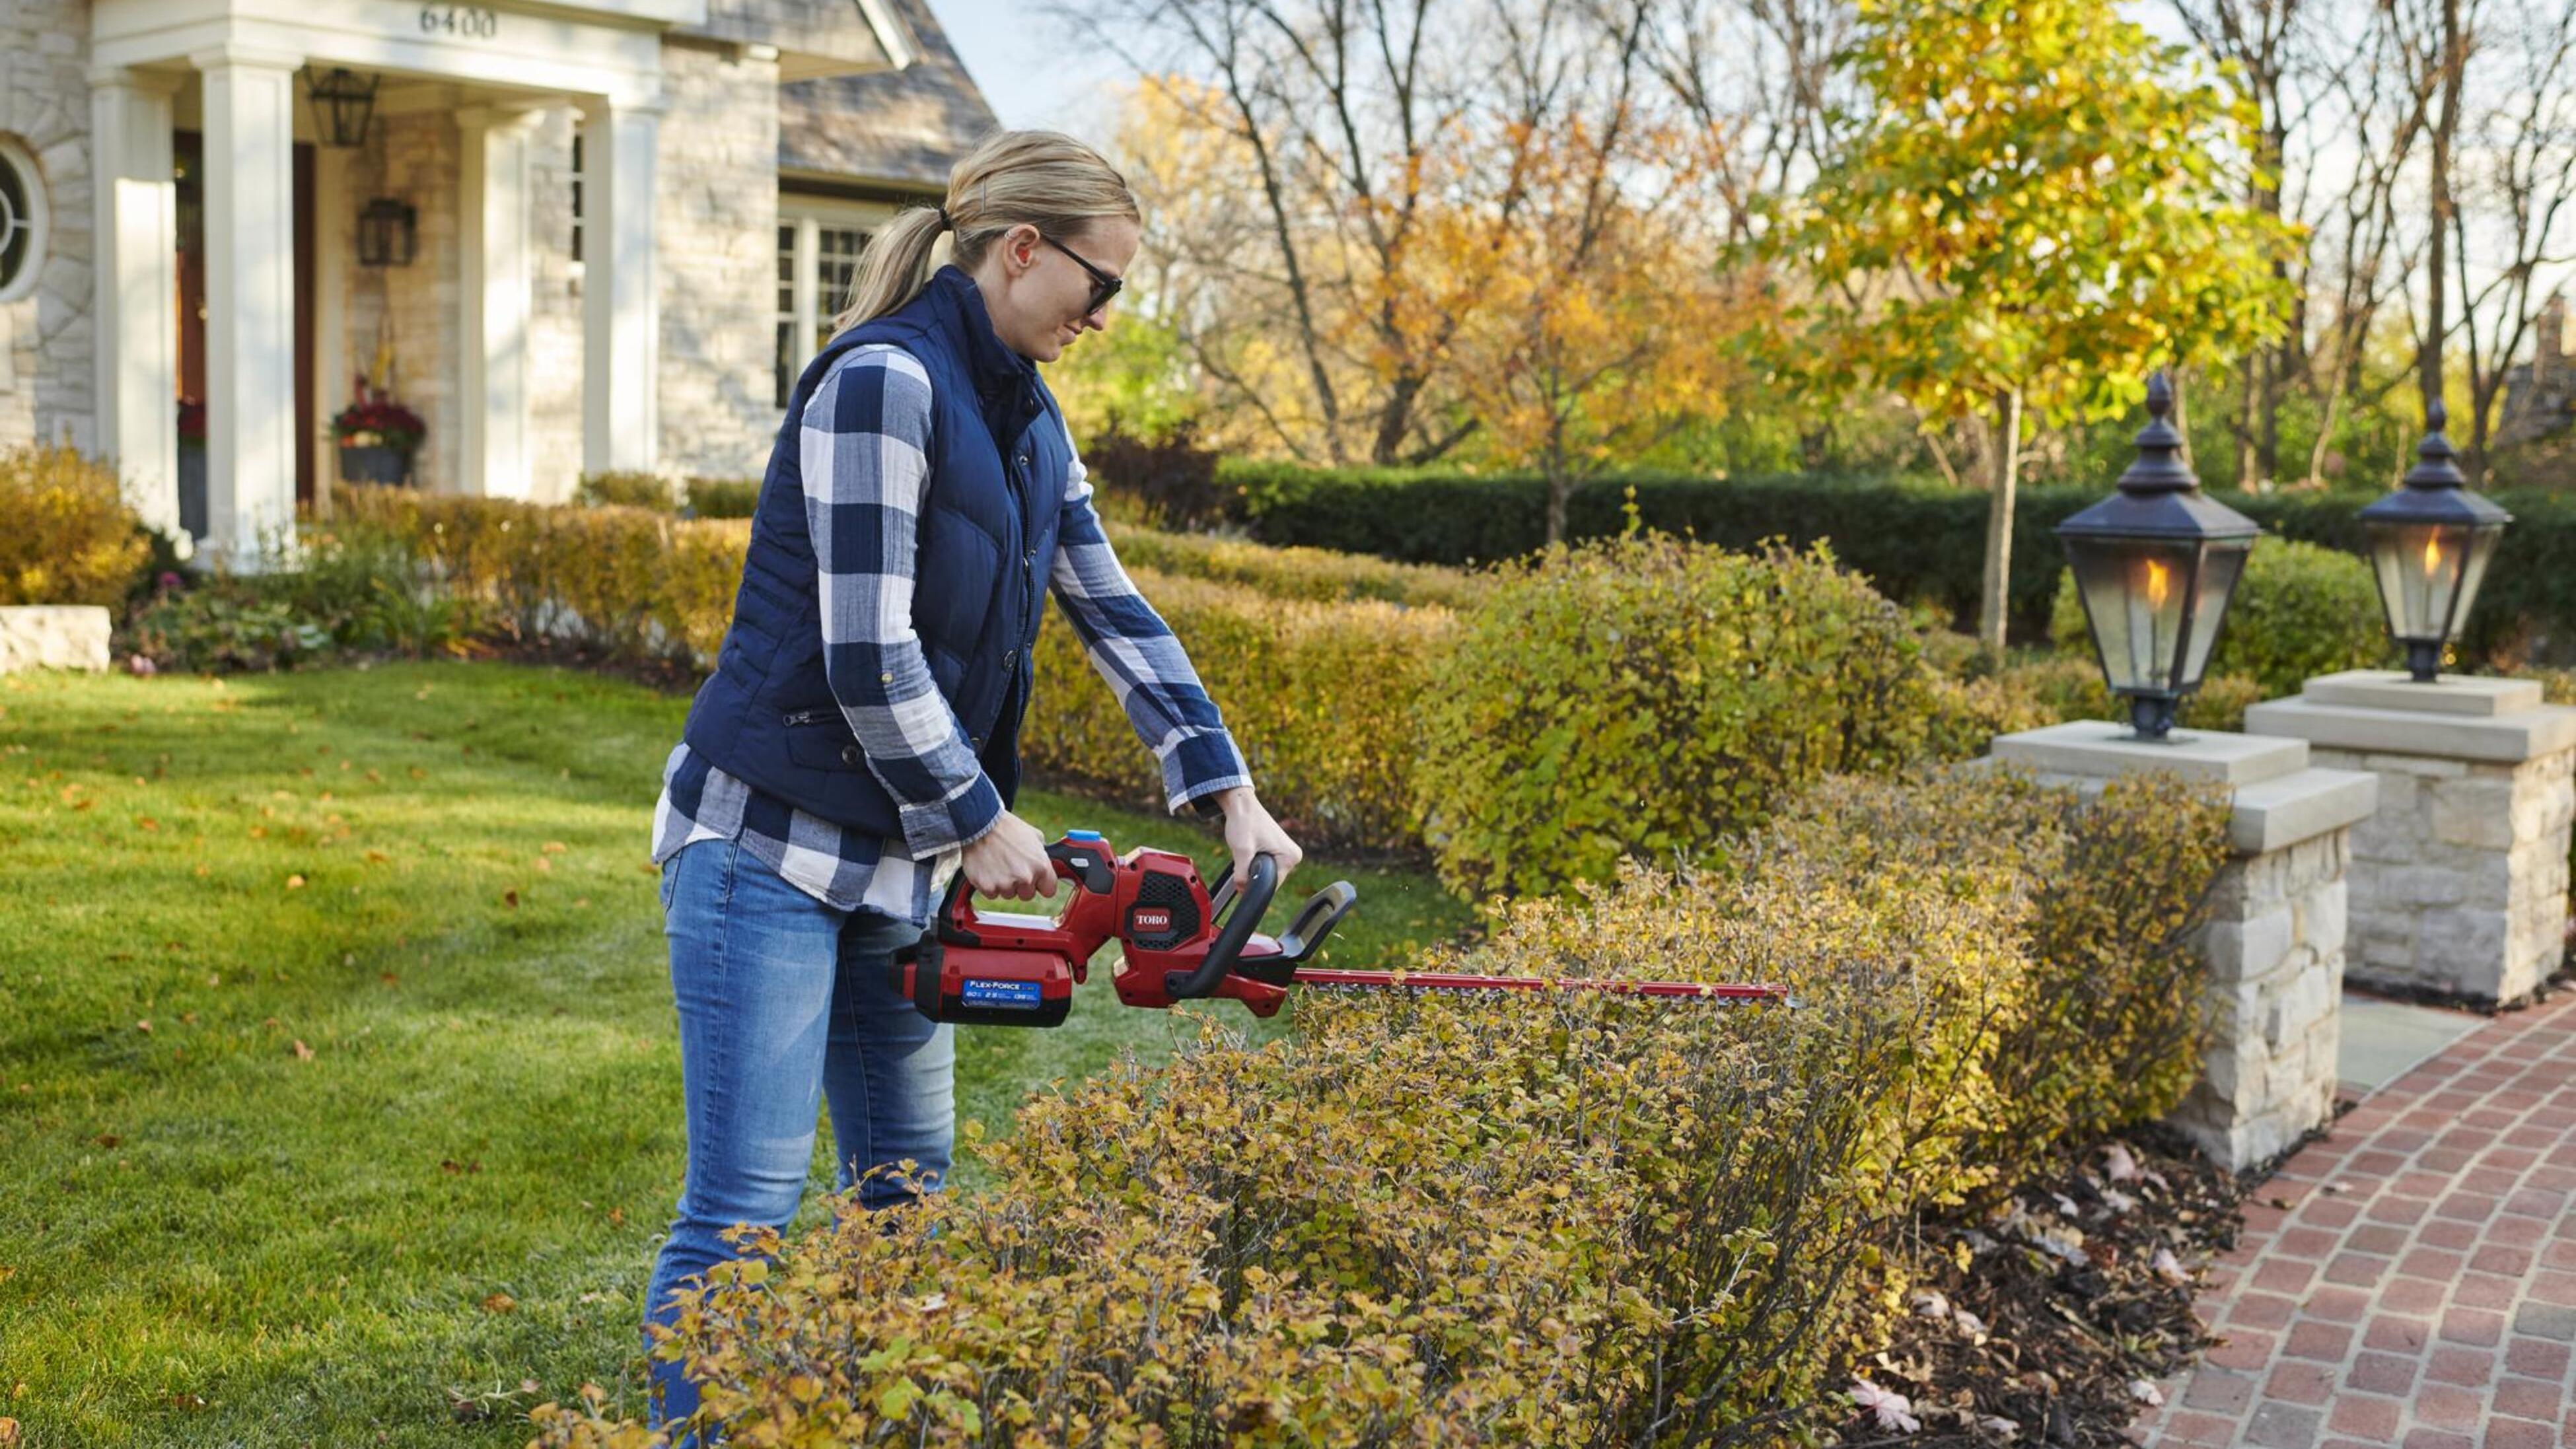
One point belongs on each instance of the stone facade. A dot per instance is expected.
(411, 310)
(2460, 881)
(2275, 948)
(2274, 945)
(716, 215)
(48, 340)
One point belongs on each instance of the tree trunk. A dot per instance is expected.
(1996, 608)
(1558, 487)
(2437, 261)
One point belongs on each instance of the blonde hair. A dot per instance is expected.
(1043, 178)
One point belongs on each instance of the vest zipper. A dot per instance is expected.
(800, 717)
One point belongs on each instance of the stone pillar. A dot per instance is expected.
(2274, 944)
(496, 296)
(250, 299)
(621, 331)
(2460, 881)
(135, 272)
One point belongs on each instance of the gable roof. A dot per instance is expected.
(894, 130)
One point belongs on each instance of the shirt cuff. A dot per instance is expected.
(1201, 765)
(949, 824)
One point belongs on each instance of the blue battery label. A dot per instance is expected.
(1018, 995)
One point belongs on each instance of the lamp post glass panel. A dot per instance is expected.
(2430, 542)
(2155, 565)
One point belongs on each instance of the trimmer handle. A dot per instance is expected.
(1237, 928)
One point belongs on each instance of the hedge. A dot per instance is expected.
(1918, 540)
(1543, 1220)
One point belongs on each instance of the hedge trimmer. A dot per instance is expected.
(1177, 942)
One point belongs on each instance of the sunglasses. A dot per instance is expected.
(1103, 285)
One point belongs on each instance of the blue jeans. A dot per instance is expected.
(784, 1003)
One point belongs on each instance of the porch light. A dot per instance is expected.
(386, 232)
(343, 101)
(2431, 540)
(2156, 564)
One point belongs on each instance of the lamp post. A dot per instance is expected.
(2430, 541)
(2155, 564)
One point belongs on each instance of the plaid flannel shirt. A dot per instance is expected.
(863, 448)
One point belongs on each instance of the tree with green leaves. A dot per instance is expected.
(2041, 206)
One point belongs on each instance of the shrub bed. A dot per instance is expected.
(1547, 1220)
(1294, 573)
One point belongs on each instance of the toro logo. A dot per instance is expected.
(1148, 919)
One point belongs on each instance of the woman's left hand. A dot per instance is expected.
(1249, 831)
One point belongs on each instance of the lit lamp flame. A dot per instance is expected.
(2156, 575)
(2432, 554)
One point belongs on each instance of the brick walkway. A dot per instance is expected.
(2419, 1288)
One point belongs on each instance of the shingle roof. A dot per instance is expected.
(901, 128)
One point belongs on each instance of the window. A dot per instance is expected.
(818, 258)
(22, 221)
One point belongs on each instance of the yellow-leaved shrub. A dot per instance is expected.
(1534, 1219)
(70, 537)
(1645, 696)
(1294, 573)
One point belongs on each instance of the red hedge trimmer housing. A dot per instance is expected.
(1178, 943)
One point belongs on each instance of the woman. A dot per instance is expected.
(858, 742)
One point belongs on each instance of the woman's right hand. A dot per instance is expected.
(1010, 860)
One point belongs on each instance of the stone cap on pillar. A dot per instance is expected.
(2455, 717)
(2280, 799)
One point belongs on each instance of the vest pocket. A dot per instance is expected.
(819, 739)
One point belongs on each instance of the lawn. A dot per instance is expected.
(339, 1099)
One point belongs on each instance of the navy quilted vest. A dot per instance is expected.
(998, 461)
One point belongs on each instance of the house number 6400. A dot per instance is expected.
(473, 22)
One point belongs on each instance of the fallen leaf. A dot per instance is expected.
(2146, 1393)
(510, 899)
(555, 847)
(295, 882)
(259, 832)
(144, 1027)
(303, 1053)
(8, 1433)
(544, 863)
(617, 1215)
(1969, 1323)
(527, 1386)
(147, 822)
(377, 857)
(1895, 1411)
(500, 1303)
(389, 978)
(107, 1139)
(2169, 1267)
(2118, 1164)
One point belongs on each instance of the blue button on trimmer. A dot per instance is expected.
(1082, 835)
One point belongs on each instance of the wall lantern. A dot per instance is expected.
(386, 231)
(2431, 540)
(343, 100)
(2155, 564)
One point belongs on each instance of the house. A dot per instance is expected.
(572, 235)
(2540, 395)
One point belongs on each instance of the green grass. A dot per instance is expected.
(333, 1005)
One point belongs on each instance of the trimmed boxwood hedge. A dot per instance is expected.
(1917, 539)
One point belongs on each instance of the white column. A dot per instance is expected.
(621, 314)
(497, 290)
(137, 240)
(250, 299)
(806, 291)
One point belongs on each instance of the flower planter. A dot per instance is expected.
(377, 464)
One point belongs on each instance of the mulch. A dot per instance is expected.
(2047, 1321)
